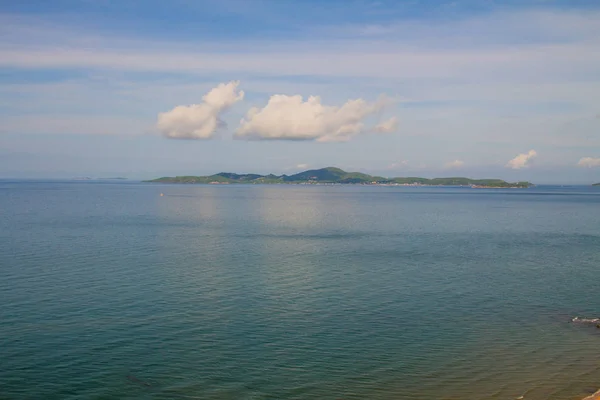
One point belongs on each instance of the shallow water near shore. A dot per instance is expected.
(110, 290)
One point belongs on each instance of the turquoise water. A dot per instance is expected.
(297, 292)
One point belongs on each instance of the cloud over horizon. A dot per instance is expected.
(522, 160)
(454, 164)
(589, 162)
(291, 118)
(398, 165)
(200, 121)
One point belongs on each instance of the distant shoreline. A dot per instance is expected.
(337, 176)
(334, 184)
(87, 178)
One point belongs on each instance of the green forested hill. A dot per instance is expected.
(336, 175)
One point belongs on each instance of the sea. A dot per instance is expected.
(131, 290)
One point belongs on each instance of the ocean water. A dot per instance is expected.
(110, 290)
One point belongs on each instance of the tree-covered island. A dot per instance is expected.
(332, 175)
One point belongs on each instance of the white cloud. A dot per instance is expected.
(553, 41)
(387, 126)
(398, 165)
(291, 118)
(522, 160)
(200, 121)
(454, 164)
(302, 166)
(589, 162)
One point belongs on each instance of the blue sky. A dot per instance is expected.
(430, 88)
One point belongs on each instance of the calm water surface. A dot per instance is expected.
(110, 290)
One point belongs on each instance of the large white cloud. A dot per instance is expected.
(291, 118)
(200, 121)
(522, 160)
(589, 162)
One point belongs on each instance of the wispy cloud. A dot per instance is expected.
(530, 26)
(454, 164)
(387, 126)
(395, 62)
(589, 162)
(399, 165)
(71, 124)
(550, 42)
(522, 160)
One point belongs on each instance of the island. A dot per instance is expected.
(332, 175)
(87, 178)
(596, 184)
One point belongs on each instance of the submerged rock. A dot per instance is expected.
(586, 320)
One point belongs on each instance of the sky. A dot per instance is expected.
(139, 89)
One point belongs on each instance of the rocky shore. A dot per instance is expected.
(595, 396)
